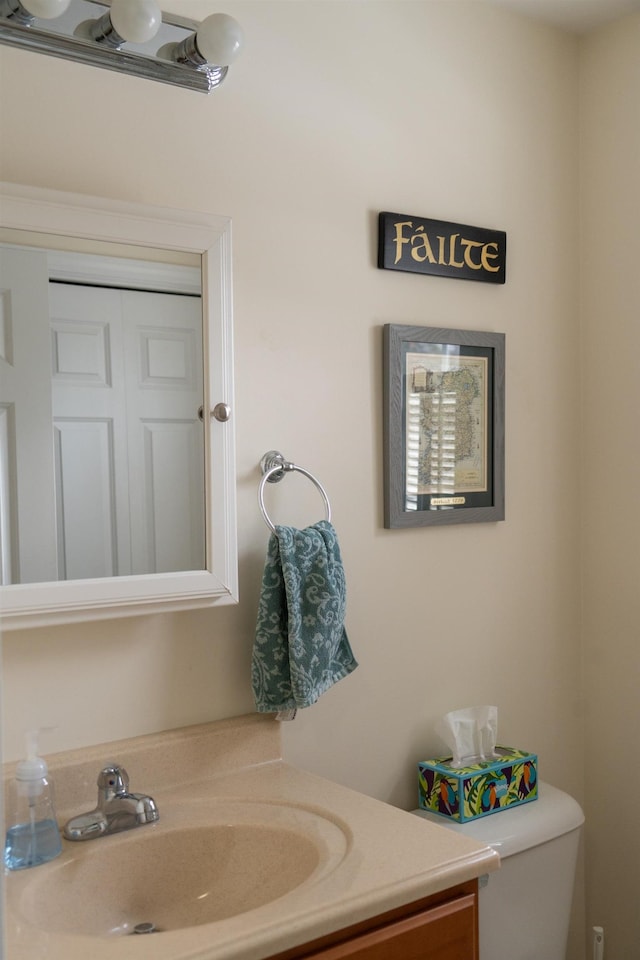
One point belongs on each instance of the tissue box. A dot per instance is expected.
(465, 793)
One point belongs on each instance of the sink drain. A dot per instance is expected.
(145, 928)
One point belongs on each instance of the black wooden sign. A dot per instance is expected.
(440, 248)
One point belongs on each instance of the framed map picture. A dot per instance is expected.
(443, 426)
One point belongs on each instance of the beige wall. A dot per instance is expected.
(336, 111)
(610, 94)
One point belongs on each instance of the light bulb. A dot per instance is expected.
(136, 20)
(219, 39)
(46, 9)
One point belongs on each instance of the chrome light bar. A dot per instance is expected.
(174, 56)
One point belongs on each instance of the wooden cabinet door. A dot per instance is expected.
(444, 932)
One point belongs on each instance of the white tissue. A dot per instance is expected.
(470, 734)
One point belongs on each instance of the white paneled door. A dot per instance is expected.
(128, 441)
(27, 508)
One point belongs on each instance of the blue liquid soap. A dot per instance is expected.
(33, 837)
(30, 844)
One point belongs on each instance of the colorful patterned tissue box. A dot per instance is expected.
(465, 793)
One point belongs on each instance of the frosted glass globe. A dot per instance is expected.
(219, 39)
(136, 20)
(46, 9)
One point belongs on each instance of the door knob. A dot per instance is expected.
(221, 412)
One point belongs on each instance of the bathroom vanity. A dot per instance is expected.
(442, 927)
(251, 859)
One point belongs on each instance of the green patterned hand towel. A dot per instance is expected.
(301, 646)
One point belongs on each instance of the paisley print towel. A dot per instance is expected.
(301, 646)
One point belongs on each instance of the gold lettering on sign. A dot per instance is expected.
(421, 248)
(452, 251)
(448, 501)
(475, 254)
(400, 238)
(467, 244)
(489, 256)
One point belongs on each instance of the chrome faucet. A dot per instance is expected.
(117, 809)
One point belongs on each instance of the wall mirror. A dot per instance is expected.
(117, 459)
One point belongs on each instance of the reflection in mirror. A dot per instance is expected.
(117, 486)
(101, 447)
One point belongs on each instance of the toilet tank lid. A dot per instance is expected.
(527, 825)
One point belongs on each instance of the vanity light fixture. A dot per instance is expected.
(138, 21)
(117, 35)
(27, 11)
(217, 40)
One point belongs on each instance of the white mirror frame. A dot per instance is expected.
(76, 215)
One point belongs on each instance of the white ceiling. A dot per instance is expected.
(578, 16)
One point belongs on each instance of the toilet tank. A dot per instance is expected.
(525, 907)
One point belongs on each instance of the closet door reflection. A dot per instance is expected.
(102, 461)
(127, 384)
(126, 387)
(27, 505)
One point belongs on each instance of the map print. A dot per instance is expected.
(446, 424)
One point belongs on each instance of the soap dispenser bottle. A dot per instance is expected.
(33, 836)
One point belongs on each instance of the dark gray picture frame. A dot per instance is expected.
(404, 504)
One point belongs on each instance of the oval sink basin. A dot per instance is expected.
(179, 876)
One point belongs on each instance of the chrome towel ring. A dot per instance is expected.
(274, 466)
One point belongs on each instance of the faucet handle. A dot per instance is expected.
(112, 780)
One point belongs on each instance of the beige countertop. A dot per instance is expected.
(374, 856)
